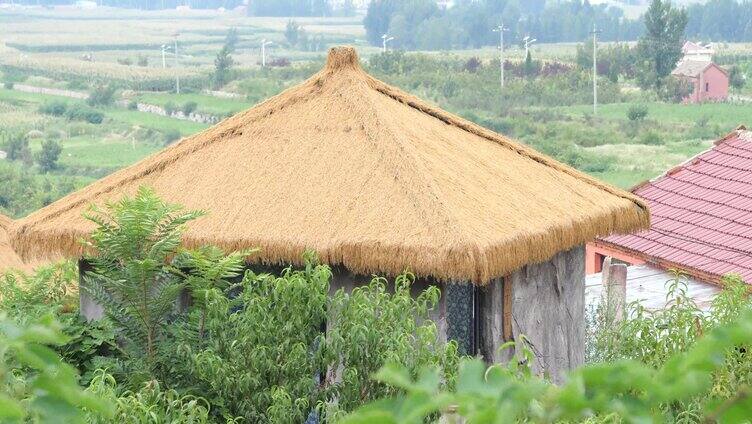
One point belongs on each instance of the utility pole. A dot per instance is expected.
(165, 47)
(500, 29)
(385, 38)
(528, 42)
(177, 73)
(264, 43)
(595, 33)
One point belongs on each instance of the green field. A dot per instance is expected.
(724, 115)
(207, 104)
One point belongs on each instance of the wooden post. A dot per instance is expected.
(614, 280)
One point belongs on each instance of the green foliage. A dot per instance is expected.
(22, 191)
(659, 49)
(131, 276)
(170, 108)
(35, 385)
(27, 297)
(103, 95)
(81, 112)
(371, 327)
(624, 390)
(292, 32)
(48, 156)
(230, 348)
(223, 63)
(188, 107)
(150, 404)
(54, 108)
(674, 90)
(16, 146)
(422, 25)
(736, 77)
(170, 136)
(637, 112)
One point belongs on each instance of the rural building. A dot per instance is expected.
(647, 285)
(701, 217)
(708, 81)
(8, 257)
(697, 52)
(378, 181)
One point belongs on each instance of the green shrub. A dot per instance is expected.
(150, 404)
(54, 108)
(170, 136)
(672, 365)
(651, 138)
(229, 350)
(48, 156)
(16, 147)
(637, 112)
(170, 108)
(35, 384)
(188, 108)
(80, 112)
(103, 95)
(133, 105)
(8, 85)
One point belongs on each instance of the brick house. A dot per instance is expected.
(700, 217)
(709, 81)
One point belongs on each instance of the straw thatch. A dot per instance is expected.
(8, 257)
(368, 176)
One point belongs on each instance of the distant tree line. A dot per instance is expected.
(720, 20)
(291, 8)
(423, 25)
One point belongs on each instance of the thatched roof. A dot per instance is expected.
(368, 176)
(8, 257)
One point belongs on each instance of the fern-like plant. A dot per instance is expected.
(132, 278)
(208, 268)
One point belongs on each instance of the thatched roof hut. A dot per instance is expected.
(370, 177)
(378, 181)
(9, 259)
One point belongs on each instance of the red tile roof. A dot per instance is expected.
(701, 213)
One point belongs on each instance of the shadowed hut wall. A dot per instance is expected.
(88, 308)
(548, 308)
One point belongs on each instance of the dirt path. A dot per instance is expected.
(51, 91)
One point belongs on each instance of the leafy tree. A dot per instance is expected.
(16, 147)
(131, 276)
(660, 47)
(54, 108)
(222, 67)
(292, 30)
(675, 90)
(223, 63)
(736, 77)
(48, 156)
(529, 65)
(378, 18)
(188, 107)
(103, 95)
(232, 39)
